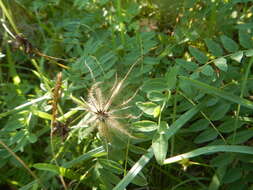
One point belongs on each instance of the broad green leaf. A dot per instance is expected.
(208, 150)
(245, 39)
(171, 77)
(158, 96)
(32, 138)
(160, 143)
(198, 125)
(240, 137)
(198, 55)
(159, 84)
(147, 107)
(232, 175)
(249, 53)
(229, 125)
(237, 56)
(206, 136)
(218, 92)
(229, 44)
(219, 111)
(207, 70)
(188, 65)
(221, 63)
(145, 126)
(214, 47)
(222, 160)
(160, 147)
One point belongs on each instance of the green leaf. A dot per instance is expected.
(240, 137)
(158, 96)
(198, 55)
(232, 175)
(198, 125)
(57, 170)
(249, 53)
(111, 166)
(93, 153)
(219, 111)
(188, 65)
(207, 70)
(157, 111)
(214, 47)
(229, 125)
(160, 147)
(171, 77)
(32, 138)
(218, 92)
(160, 143)
(245, 39)
(221, 63)
(159, 84)
(237, 56)
(206, 136)
(147, 107)
(208, 150)
(229, 44)
(222, 160)
(144, 126)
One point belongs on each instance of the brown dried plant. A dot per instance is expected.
(105, 116)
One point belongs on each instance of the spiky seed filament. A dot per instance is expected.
(103, 115)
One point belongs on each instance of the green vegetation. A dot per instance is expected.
(126, 94)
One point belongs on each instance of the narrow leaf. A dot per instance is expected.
(208, 150)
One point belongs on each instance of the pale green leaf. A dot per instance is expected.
(144, 126)
(221, 63)
(237, 56)
(147, 107)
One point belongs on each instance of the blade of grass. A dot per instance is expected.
(86, 156)
(139, 165)
(243, 87)
(218, 92)
(21, 107)
(210, 149)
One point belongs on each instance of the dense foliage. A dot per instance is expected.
(135, 94)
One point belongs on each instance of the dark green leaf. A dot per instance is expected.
(229, 44)
(214, 47)
(198, 55)
(206, 136)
